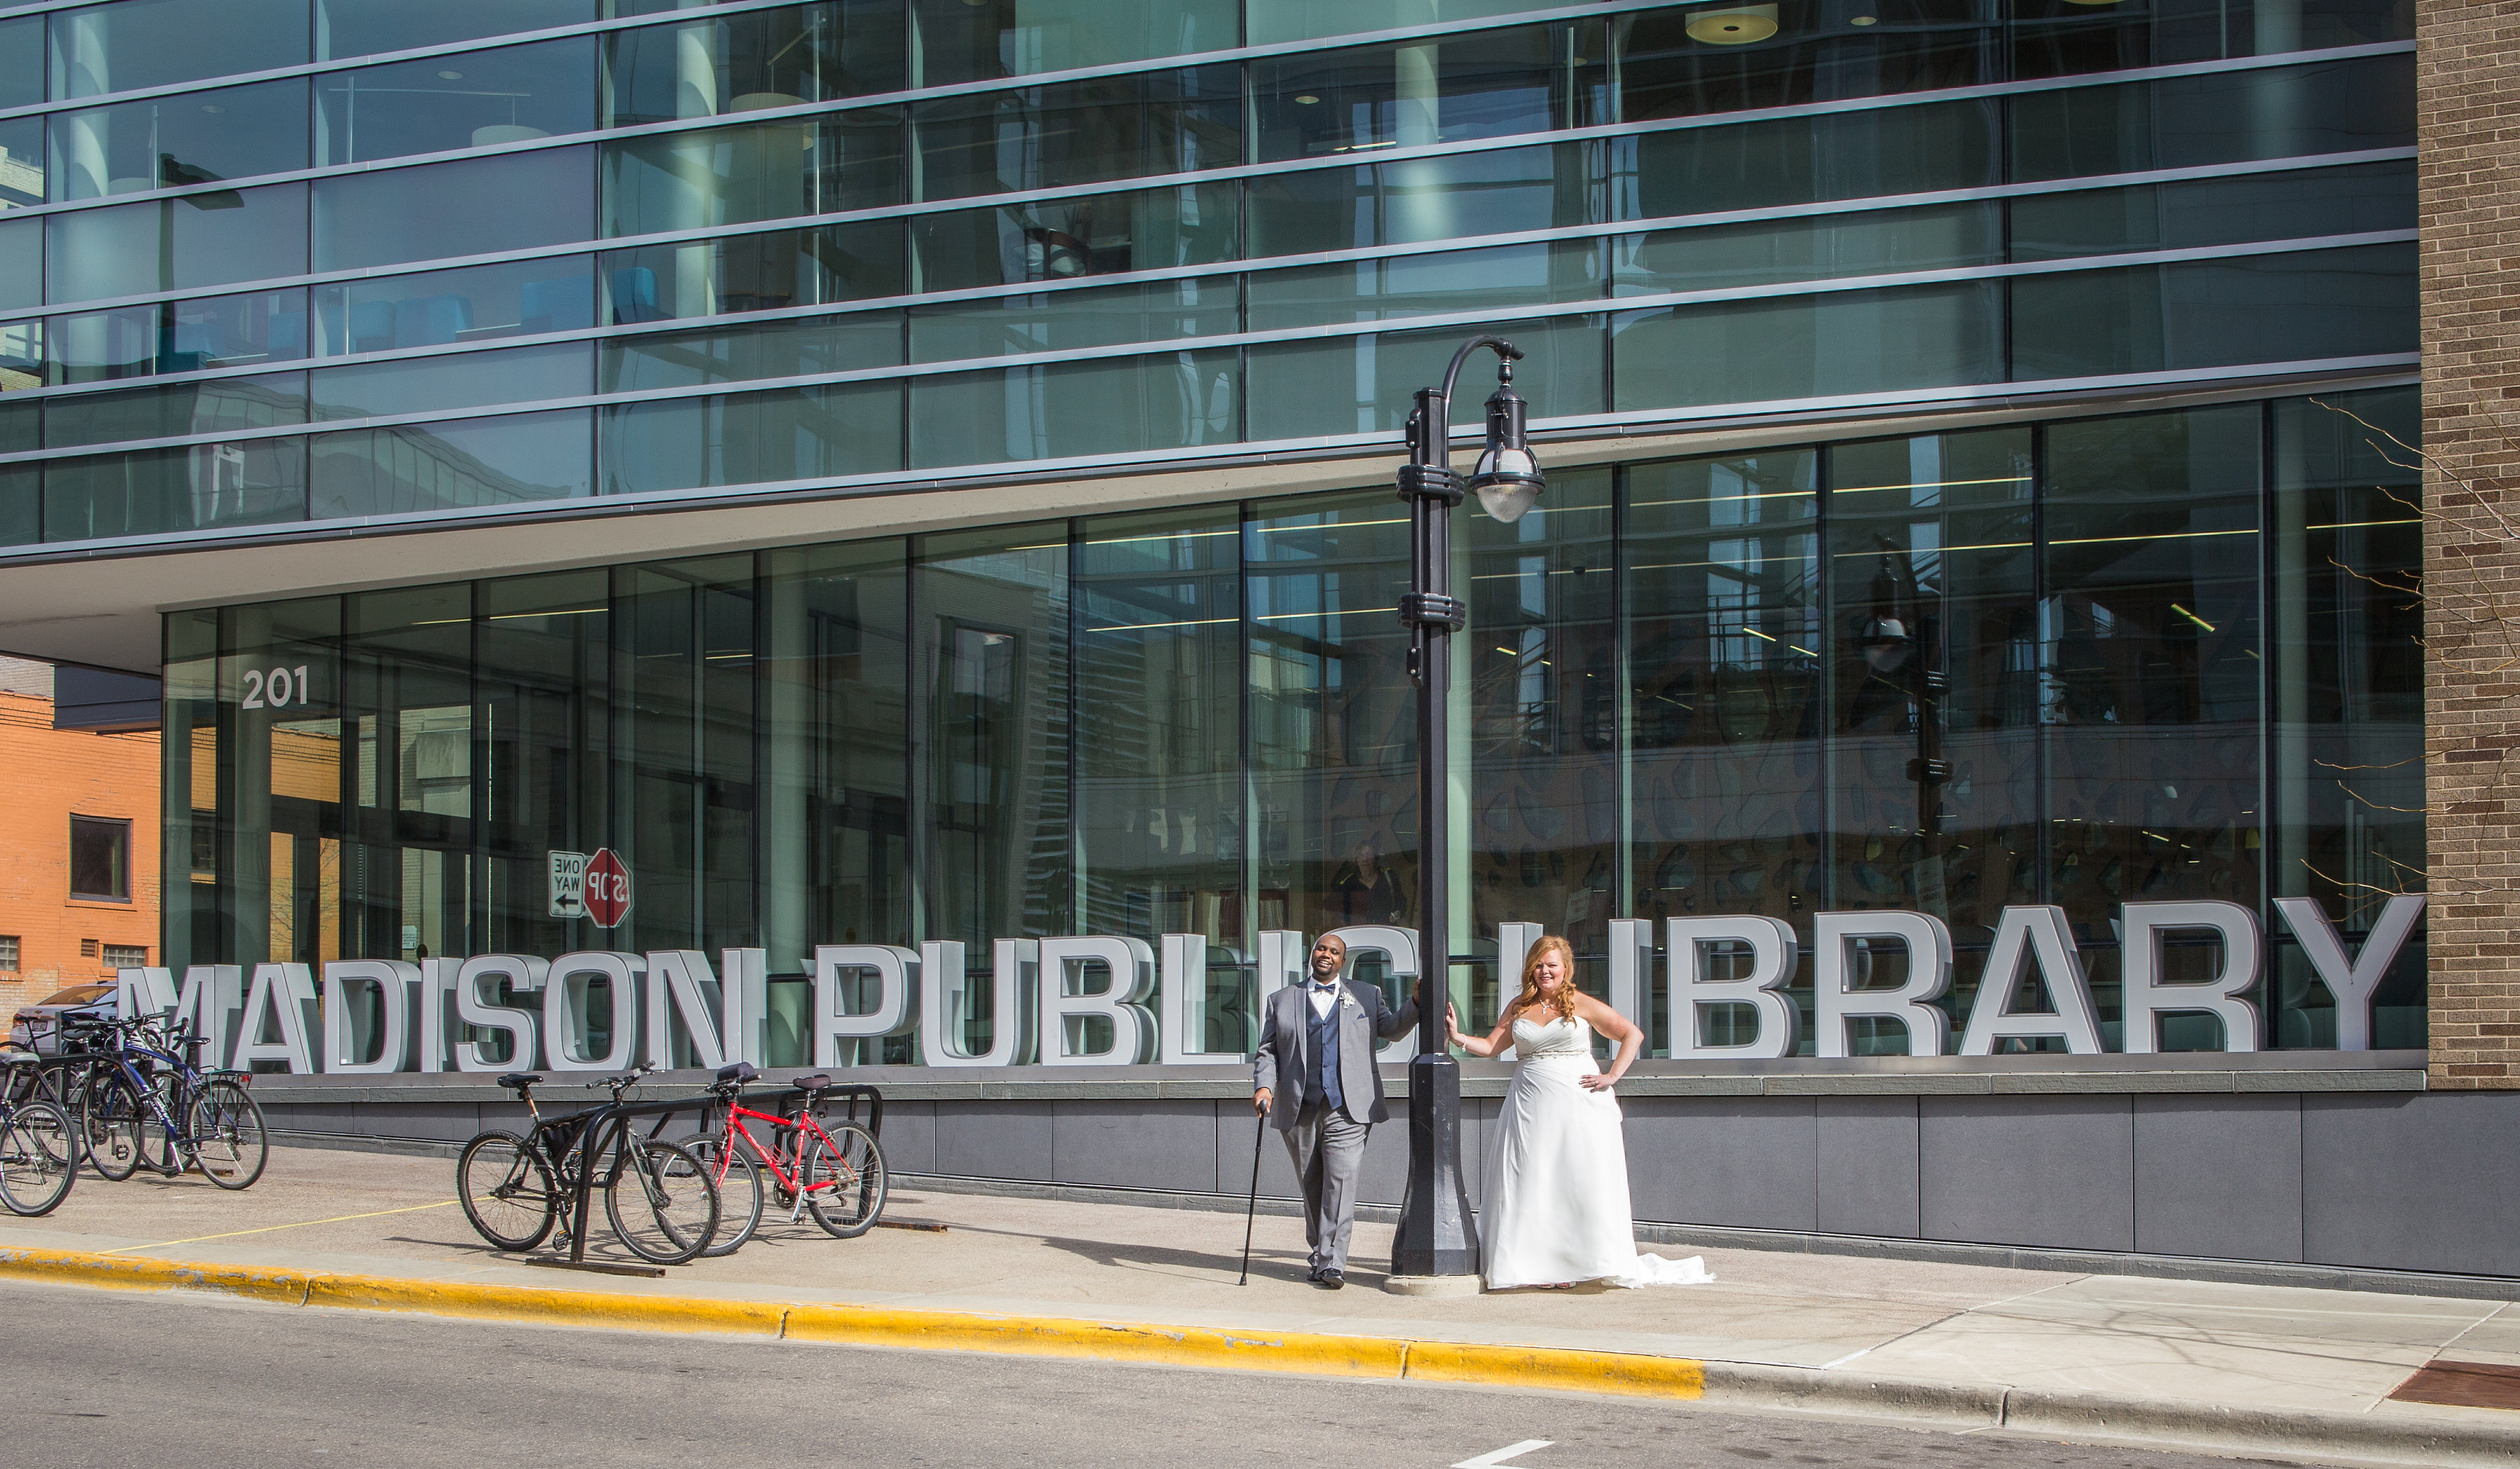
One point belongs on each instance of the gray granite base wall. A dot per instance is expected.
(2329, 1169)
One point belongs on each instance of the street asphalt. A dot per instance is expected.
(107, 1379)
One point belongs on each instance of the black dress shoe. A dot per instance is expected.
(1314, 1275)
(1330, 1280)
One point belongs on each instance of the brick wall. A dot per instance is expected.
(46, 776)
(2468, 100)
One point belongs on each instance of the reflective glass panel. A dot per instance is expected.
(1270, 22)
(177, 336)
(175, 409)
(1452, 89)
(1080, 132)
(480, 99)
(1124, 405)
(765, 271)
(1884, 241)
(1795, 160)
(1686, 63)
(161, 491)
(284, 765)
(1424, 200)
(421, 468)
(435, 308)
(2219, 117)
(706, 64)
(22, 163)
(166, 142)
(1333, 715)
(21, 263)
(1727, 685)
(22, 356)
(406, 737)
(2347, 689)
(978, 40)
(1787, 349)
(993, 679)
(132, 44)
(2298, 203)
(817, 432)
(22, 62)
(443, 384)
(1055, 321)
(1362, 384)
(1406, 285)
(1934, 658)
(541, 678)
(1544, 707)
(346, 28)
(2058, 37)
(2270, 308)
(791, 348)
(473, 207)
(1060, 238)
(764, 170)
(1159, 736)
(198, 239)
(2153, 662)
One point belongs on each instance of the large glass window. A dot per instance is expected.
(190, 241)
(541, 686)
(764, 271)
(149, 492)
(345, 28)
(706, 65)
(168, 142)
(225, 404)
(1781, 349)
(1450, 89)
(796, 348)
(683, 791)
(1794, 160)
(418, 469)
(132, 44)
(21, 263)
(1119, 405)
(22, 161)
(1362, 384)
(1070, 320)
(978, 40)
(818, 432)
(762, 171)
(1424, 200)
(1405, 286)
(177, 336)
(443, 384)
(99, 860)
(479, 99)
(439, 307)
(2216, 118)
(407, 774)
(1062, 238)
(1080, 132)
(22, 62)
(2213, 313)
(2297, 203)
(475, 207)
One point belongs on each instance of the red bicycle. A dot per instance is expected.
(835, 1173)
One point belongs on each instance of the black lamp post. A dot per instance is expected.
(1436, 1238)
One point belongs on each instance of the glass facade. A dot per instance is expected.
(838, 244)
(2167, 655)
(270, 264)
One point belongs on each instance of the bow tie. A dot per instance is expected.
(1325, 988)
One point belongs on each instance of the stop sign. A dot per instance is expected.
(608, 889)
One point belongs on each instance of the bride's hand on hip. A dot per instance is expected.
(1597, 1082)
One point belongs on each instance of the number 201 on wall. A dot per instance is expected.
(277, 688)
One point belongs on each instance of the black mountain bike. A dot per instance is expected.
(662, 1204)
(145, 1102)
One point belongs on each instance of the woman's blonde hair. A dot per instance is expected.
(1529, 998)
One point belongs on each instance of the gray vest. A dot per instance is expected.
(1322, 1053)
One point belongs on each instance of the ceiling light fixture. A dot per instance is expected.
(1734, 26)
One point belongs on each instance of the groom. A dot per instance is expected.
(1316, 1081)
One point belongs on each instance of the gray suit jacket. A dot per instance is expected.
(1282, 1065)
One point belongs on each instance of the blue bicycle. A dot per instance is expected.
(39, 1149)
(146, 1102)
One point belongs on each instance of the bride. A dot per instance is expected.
(1557, 1175)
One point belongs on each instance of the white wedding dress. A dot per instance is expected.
(1558, 1176)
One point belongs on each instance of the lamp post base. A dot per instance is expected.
(1437, 1238)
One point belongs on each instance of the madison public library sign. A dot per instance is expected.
(390, 1016)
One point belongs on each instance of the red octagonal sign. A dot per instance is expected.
(608, 889)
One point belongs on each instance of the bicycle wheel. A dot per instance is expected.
(229, 1144)
(38, 1157)
(157, 1115)
(109, 1127)
(506, 1190)
(739, 1190)
(851, 1164)
(670, 1211)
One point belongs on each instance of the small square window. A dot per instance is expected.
(99, 860)
(125, 956)
(8, 954)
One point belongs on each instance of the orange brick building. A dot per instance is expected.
(66, 795)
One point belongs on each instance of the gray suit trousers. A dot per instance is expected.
(1328, 1150)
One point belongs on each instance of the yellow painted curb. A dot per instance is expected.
(525, 1303)
(1054, 1336)
(1557, 1367)
(144, 1272)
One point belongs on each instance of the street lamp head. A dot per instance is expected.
(1507, 479)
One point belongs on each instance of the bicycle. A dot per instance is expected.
(39, 1149)
(837, 1173)
(145, 1101)
(517, 1190)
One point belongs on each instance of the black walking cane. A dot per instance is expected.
(1252, 1211)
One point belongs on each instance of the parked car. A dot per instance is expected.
(39, 1027)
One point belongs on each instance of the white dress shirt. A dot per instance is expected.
(1323, 996)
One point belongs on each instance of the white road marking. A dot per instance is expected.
(1494, 1458)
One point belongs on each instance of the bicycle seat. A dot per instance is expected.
(811, 1084)
(741, 1071)
(518, 1080)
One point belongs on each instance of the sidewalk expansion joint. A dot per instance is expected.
(1952, 1406)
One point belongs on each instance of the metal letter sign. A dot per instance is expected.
(568, 884)
(608, 889)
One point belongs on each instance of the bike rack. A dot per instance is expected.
(618, 1116)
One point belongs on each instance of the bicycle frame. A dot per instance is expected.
(736, 1111)
(580, 1138)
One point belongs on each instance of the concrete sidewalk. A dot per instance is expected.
(2124, 1351)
